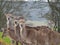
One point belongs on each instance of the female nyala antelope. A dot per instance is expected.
(28, 36)
(41, 35)
(11, 28)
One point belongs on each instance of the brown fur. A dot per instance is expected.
(42, 35)
(53, 37)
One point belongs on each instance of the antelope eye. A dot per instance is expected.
(21, 25)
(8, 18)
(15, 22)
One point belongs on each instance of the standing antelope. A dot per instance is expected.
(11, 28)
(34, 35)
(42, 35)
(28, 35)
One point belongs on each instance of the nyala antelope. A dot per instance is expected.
(28, 36)
(41, 35)
(11, 28)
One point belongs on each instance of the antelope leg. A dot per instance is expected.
(12, 42)
(16, 42)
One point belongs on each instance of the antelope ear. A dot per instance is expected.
(8, 14)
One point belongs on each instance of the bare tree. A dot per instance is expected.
(55, 13)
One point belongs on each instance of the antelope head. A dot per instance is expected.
(8, 18)
(21, 23)
(22, 26)
(15, 23)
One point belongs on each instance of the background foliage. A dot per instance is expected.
(52, 15)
